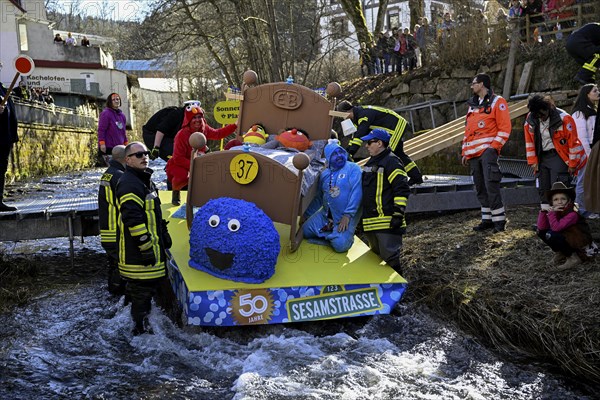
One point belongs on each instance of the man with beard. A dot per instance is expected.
(337, 203)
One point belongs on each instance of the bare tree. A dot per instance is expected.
(354, 11)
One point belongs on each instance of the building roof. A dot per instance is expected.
(141, 65)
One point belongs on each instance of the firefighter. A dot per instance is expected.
(367, 118)
(584, 46)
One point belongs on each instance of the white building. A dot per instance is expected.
(74, 74)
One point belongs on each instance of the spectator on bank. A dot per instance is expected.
(48, 99)
(379, 53)
(366, 62)
(419, 34)
(564, 230)
(396, 56)
(22, 91)
(428, 41)
(410, 56)
(85, 42)
(515, 10)
(388, 51)
(533, 9)
(58, 39)
(585, 113)
(111, 125)
(447, 28)
(553, 150)
(37, 96)
(70, 40)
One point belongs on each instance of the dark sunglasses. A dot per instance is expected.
(140, 154)
(370, 142)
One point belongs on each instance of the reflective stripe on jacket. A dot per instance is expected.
(108, 209)
(385, 190)
(140, 225)
(368, 118)
(486, 129)
(563, 132)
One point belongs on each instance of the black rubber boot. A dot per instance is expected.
(176, 199)
(499, 226)
(483, 226)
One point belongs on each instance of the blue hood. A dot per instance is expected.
(331, 147)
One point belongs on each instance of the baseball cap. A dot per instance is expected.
(378, 134)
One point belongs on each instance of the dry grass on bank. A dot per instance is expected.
(498, 287)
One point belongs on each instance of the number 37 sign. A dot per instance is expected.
(243, 168)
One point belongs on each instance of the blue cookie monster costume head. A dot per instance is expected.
(234, 239)
(335, 155)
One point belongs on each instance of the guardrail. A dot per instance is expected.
(41, 114)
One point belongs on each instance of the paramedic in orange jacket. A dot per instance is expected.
(487, 129)
(553, 149)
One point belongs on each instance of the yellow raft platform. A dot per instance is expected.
(312, 283)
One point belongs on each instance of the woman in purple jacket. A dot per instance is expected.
(111, 125)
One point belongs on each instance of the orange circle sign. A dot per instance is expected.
(24, 65)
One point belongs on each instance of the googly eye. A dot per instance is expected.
(188, 107)
(234, 225)
(214, 221)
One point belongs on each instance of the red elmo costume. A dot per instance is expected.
(178, 167)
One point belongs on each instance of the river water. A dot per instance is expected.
(74, 341)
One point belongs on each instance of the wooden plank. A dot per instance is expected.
(525, 78)
(339, 114)
(449, 134)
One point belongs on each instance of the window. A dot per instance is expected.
(393, 19)
(23, 44)
(339, 28)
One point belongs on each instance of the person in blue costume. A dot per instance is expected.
(336, 207)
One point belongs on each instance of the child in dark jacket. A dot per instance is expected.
(564, 230)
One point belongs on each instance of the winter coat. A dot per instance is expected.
(112, 128)
(563, 132)
(487, 125)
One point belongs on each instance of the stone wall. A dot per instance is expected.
(46, 150)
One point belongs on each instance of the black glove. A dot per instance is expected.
(155, 153)
(167, 241)
(397, 218)
(352, 149)
(148, 257)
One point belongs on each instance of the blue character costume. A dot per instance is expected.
(337, 203)
(234, 239)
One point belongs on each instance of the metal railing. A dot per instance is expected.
(545, 28)
(51, 115)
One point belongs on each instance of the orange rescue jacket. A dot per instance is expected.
(486, 126)
(564, 137)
